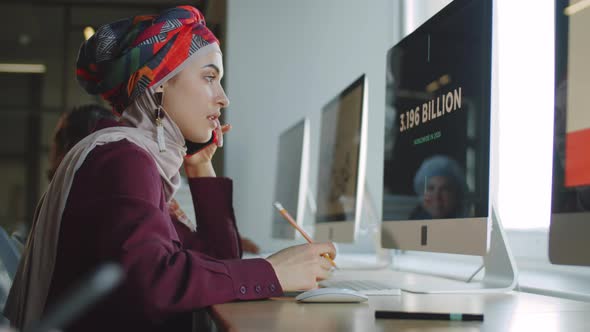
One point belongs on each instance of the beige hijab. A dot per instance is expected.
(29, 291)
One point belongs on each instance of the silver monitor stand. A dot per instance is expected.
(500, 270)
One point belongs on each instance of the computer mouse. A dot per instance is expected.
(342, 295)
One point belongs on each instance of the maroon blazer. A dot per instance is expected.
(116, 211)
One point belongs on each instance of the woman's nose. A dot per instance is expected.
(223, 100)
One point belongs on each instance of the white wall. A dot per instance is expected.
(285, 60)
(416, 12)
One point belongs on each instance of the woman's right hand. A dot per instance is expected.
(199, 164)
(301, 267)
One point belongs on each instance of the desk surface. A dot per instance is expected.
(513, 311)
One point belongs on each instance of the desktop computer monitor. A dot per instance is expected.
(436, 180)
(570, 210)
(341, 175)
(291, 178)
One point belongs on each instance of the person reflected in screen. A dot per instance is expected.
(108, 199)
(440, 183)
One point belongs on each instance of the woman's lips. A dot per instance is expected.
(214, 120)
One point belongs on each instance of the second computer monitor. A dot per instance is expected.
(291, 178)
(437, 133)
(340, 181)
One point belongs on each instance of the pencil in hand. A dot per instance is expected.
(293, 223)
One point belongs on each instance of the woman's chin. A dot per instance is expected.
(201, 138)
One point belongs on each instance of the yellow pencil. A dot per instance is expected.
(291, 221)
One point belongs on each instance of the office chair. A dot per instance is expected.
(9, 253)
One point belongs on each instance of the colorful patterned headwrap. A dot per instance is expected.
(124, 58)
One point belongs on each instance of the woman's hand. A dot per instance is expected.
(199, 164)
(301, 267)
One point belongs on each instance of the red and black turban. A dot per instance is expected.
(124, 58)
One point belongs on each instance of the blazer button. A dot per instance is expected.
(258, 288)
(243, 289)
(272, 287)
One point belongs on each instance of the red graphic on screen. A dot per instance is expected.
(577, 158)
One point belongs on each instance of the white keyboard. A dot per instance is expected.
(366, 287)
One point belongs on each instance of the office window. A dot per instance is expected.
(525, 65)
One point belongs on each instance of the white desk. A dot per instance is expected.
(512, 311)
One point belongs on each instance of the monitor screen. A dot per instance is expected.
(570, 210)
(291, 179)
(340, 144)
(437, 123)
(571, 166)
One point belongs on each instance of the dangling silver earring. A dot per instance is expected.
(159, 126)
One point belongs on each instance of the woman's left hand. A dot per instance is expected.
(199, 164)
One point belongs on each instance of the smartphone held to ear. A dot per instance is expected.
(192, 147)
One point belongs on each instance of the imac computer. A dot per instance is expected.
(291, 178)
(341, 168)
(570, 210)
(439, 143)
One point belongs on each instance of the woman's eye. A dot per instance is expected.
(210, 78)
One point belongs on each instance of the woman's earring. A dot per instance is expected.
(159, 126)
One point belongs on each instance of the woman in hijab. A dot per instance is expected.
(108, 199)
